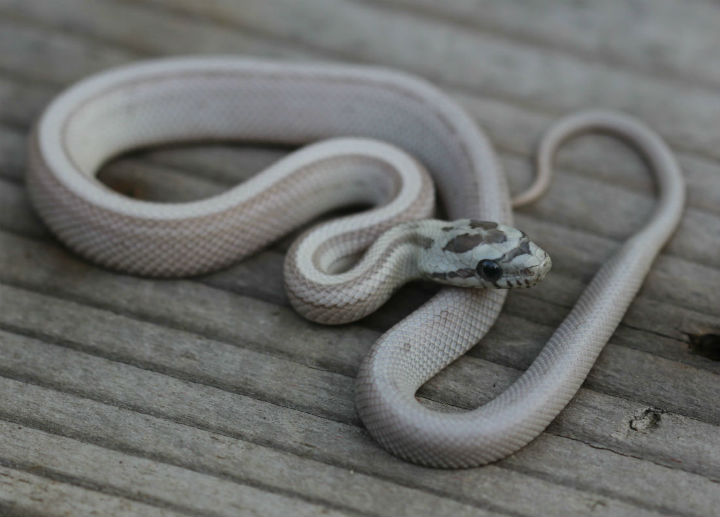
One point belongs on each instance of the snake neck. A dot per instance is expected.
(335, 282)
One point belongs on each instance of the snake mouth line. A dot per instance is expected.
(527, 277)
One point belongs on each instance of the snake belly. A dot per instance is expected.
(395, 115)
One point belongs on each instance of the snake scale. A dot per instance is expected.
(381, 139)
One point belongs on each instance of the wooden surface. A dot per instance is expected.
(121, 395)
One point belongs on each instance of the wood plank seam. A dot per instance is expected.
(39, 425)
(614, 61)
(36, 424)
(89, 485)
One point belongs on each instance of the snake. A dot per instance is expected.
(378, 139)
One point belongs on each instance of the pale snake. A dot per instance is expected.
(396, 122)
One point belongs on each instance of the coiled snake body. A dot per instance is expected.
(399, 125)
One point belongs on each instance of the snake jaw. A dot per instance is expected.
(534, 270)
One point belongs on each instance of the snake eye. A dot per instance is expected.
(489, 269)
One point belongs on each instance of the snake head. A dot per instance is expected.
(470, 253)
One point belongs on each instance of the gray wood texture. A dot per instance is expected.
(122, 395)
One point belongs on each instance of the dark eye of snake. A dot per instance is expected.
(489, 269)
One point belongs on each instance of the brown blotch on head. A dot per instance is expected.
(495, 236)
(485, 225)
(464, 242)
(447, 228)
(425, 242)
(522, 249)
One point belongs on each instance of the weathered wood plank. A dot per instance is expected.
(16, 214)
(582, 203)
(22, 101)
(453, 387)
(19, 40)
(180, 353)
(506, 69)
(638, 480)
(23, 493)
(135, 477)
(12, 155)
(117, 466)
(665, 38)
(298, 431)
(581, 254)
(130, 177)
(188, 436)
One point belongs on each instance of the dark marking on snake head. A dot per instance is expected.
(485, 225)
(447, 228)
(439, 276)
(464, 242)
(425, 242)
(495, 237)
(522, 249)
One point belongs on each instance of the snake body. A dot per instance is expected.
(385, 131)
